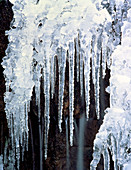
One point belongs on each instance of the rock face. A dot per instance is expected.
(57, 146)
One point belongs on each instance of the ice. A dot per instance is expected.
(81, 72)
(71, 89)
(127, 166)
(52, 76)
(47, 98)
(87, 70)
(115, 131)
(1, 162)
(43, 29)
(62, 65)
(77, 57)
(106, 159)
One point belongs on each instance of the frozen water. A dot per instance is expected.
(1, 162)
(127, 166)
(115, 132)
(41, 30)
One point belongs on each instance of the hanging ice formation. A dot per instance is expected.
(39, 31)
(115, 133)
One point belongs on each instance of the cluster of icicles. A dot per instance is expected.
(114, 135)
(41, 30)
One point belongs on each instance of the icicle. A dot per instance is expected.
(5, 152)
(103, 62)
(52, 76)
(97, 76)
(81, 72)
(11, 131)
(97, 153)
(87, 81)
(1, 162)
(26, 126)
(18, 156)
(71, 89)
(114, 152)
(93, 59)
(77, 58)
(11, 159)
(22, 121)
(17, 132)
(37, 88)
(97, 91)
(118, 142)
(106, 159)
(47, 98)
(104, 54)
(55, 61)
(62, 65)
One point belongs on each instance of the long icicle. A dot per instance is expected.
(47, 99)
(93, 58)
(52, 76)
(62, 65)
(106, 159)
(114, 151)
(81, 73)
(71, 89)
(26, 125)
(77, 58)
(87, 81)
(97, 75)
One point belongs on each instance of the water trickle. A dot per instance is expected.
(80, 155)
(67, 145)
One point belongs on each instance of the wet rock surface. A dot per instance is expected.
(57, 159)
